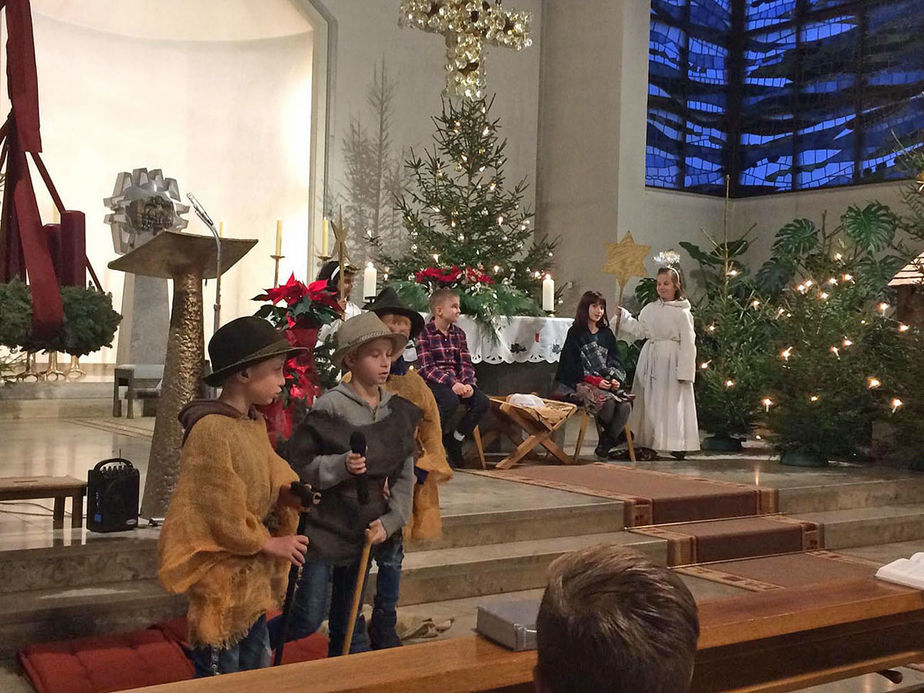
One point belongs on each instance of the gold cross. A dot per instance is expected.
(467, 25)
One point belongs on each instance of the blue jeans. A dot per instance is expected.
(253, 652)
(389, 555)
(324, 591)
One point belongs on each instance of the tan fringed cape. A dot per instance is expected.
(426, 522)
(214, 530)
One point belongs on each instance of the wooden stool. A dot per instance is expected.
(57, 487)
(140, 382)
(586, 415)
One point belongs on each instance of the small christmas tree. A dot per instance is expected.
(466, 228)
(733, 329)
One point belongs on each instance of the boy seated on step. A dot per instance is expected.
(319, 451)
(611, 621)
(228, 537)
(443, 360)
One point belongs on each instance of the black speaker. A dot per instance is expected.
(112, 496)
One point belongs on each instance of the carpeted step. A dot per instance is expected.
(650, 497)
(62, 613)
(458, 573)
(783, 571)
(868, 526)
(727, 539)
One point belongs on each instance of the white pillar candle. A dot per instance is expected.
(548, 294)
(279, 237)
(325, 231)
(221, 229)
(370, 280)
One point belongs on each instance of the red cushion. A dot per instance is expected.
(106, 663)
(130, 660)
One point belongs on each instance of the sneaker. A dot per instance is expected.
(602, 451)
(679, 454)
(453, 451)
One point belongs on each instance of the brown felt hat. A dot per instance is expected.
(362, 329)
(245, 342)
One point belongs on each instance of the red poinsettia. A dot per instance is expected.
(477, 276)
(439, 275)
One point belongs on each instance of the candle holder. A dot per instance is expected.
(74, 372)
(52, 373)
(30, 371)
(276, 259)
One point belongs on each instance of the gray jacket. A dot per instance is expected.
(326, 471)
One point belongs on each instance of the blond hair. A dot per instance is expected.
(613, 621)
(439, 296)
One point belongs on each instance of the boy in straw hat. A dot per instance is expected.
(430, 469)
(319, 450)
(229, 532)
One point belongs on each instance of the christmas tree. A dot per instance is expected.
(733, 328)
(466, 228)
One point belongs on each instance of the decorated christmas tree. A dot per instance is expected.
(835, 334)
(467, 229)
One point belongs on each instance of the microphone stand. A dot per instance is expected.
(207, 220)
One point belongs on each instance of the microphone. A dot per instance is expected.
(358, 446)
(200, 210)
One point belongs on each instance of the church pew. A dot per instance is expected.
(763, 642)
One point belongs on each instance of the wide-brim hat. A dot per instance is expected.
(244, 342)
(388, 301)
(362, 329)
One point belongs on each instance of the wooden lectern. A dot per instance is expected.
(187, 260)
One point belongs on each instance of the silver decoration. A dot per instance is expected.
(144, 204)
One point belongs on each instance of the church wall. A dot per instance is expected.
(225, 112)
(367, 33)
(591, 160)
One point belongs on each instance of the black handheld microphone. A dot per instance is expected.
(358, 446)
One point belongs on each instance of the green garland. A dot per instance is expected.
(89, 324)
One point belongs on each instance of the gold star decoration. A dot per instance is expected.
(626, 259)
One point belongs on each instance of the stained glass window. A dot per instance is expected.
(782, 94)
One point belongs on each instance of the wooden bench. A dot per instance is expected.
(759, 642)
(140, 382)
(57, 487)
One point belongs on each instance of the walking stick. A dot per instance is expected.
(357, 593)
(308, 499)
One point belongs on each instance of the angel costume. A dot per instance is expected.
(664, 414)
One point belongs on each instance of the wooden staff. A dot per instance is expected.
(357, 593)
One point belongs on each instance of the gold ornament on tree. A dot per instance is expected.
(625, 260)
(920, 183)
(467, 26)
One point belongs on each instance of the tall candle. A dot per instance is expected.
(325, 232)
(279, 237)
(548, 294)
(370, 281)
(221, 229)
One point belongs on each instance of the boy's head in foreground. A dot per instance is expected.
(612, 621)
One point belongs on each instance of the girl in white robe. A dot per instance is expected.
(664, 413)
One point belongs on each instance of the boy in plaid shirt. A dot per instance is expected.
(444, 362)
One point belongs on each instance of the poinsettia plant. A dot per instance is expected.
(299, 310)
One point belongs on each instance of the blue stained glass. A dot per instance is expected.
(827, 87)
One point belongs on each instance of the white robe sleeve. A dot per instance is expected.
(686, 361)
(629, 327)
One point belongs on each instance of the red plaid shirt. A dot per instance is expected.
(444, 358)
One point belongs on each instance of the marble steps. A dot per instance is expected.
(869, 526)
(851, 494)
(472, 571)
(477, 529)
(58, 614)
(56, 400)
(115, 558)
